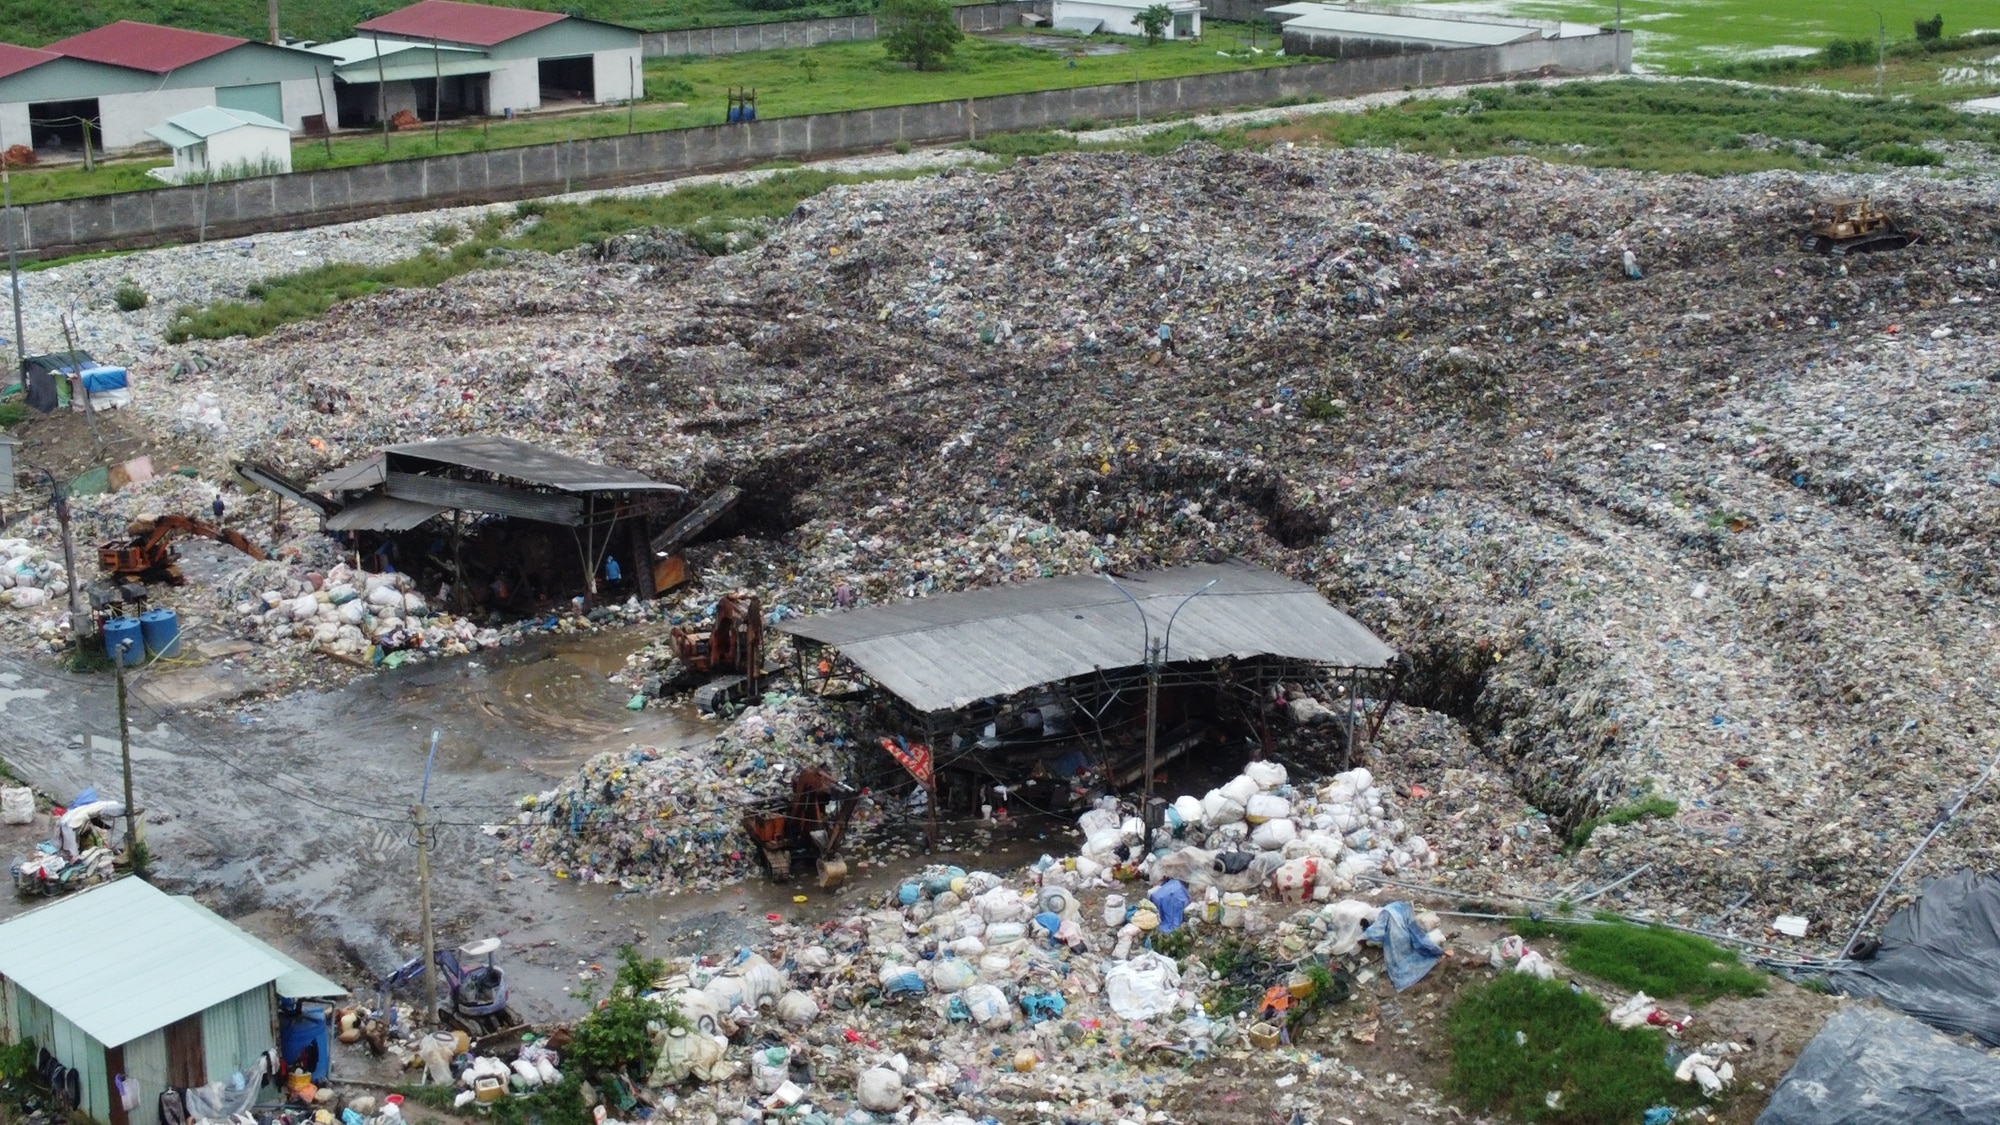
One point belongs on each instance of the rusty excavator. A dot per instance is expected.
(147, 555)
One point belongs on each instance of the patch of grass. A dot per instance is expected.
(129, 297)
(1647, 808)
(86, 658)
(709, 213)
(1660, 962)
(12, 413)
(1518, 1039)
(1701, 128)
(1903, 156)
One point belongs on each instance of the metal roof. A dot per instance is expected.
(124, 959)
(520, 461)
(354, 60)
(197, 125)
(297, 983)
(14, 60)
(352, 477)
(481, 25)
(144, 46)
(943, 653)
(382, 513)
(1374, 25)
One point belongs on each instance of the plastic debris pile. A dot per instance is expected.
(670, 820)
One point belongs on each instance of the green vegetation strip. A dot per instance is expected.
(718, 217)
(1519, 1040)
(1664, 964)
(1649, 808)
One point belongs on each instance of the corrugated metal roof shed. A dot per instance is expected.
(144, 46)
(382, 513)
(352, 477)
(297, 983)
(354, 60)
(1374, 25)
(532, 463)
(14, 60)
(943, 653)
(197, 125)
(124, 959)
(481, 25)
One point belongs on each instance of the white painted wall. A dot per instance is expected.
(126, 117)
(301, 100)
(614, 73)
(1119, 19)
(251, 145)
(14, 125)
(517, 85)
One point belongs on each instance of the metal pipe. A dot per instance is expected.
(1848, 949)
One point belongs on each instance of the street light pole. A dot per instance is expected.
(1156, 659)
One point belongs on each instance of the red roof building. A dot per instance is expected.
(477, 25)
(14, 60)
(144, 46)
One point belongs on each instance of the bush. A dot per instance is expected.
(1903, 156)
(1930, 29)
(902, 148)
(1848, 52)
(129, 297)
(12, 414)
(615, 1038)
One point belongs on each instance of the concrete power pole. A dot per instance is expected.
(274, 23)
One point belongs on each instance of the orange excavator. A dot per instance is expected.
(809, 823)
(148, 556)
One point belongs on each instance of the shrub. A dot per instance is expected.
(615, 1038)
(129, 297)
(902, 148)
(1930, 29)
(1903, 156)
(1848, 52)
(444, 234)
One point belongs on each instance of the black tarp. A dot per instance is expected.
(39, 376)
(1940, 958)
(1868, 1066)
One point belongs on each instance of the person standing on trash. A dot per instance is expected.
(613, 576)
(218, 508)
(1632, 265)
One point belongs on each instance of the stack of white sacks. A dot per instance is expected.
(348, 612)
(1259, 830)
(29, 578)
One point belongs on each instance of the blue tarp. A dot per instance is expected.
(1406, 951)
(1172, 899)
(98, 380)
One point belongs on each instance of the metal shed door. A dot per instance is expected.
(185, 1063)
(264, 98)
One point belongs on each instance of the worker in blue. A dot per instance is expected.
(613, 576)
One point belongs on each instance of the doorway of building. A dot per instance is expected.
(57, 128)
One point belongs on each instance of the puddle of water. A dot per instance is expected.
(1062, 44)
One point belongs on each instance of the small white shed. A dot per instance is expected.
(213, 143)
(1121, 17)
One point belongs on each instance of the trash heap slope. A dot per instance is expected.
(1724, 532)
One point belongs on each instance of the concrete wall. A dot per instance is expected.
(302, 100)
(340, 194)
(126, 117)
(810, 33)
(517, 86)
(14, 125)
(613, 74)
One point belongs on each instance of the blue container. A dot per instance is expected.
(121, 629)
(162, 630)
(304, 1037)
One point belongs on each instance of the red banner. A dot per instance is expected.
(916, 757)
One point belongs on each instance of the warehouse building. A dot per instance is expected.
(122, 79)
(1121, 17)
(541, 58)
(1348, 31)
(376, 79)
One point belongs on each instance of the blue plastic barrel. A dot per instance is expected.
(303, 1035)
(121, 629)
(162, 630)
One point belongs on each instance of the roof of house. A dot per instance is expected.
(197, 125)
(481, 25)
(1458, 32)
(14, 60)
(531, 463)
(297, 983)
(144, 46)
(125, 958)
(356, 60)
(943, 653)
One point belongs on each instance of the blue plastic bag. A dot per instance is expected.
(1042, 1006)
(1406, 952)
(1172, 899)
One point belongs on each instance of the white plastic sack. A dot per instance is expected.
(27, 597)
(989, 1007)
(1240, 789)
(1267, 775)
(1266, 806)
(953, 975)
(1344, 922)
(1272, 835)
(384, 595)
(879, 1090)
(1001, 904)
(1189, 809)
(17, 805)
(1143, 988)
(1097, 820)
(1218, 809)
(797, 1009)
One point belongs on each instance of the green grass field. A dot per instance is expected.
(1681, 35)
(683, 92)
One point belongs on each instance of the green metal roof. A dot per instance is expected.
(125, 959)
(298, 982)
(197, 125)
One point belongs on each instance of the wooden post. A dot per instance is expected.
(324, 116)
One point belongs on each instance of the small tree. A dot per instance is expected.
(1154, 21)
(919, 32)
(1932, 28)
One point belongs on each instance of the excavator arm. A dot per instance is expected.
(147, 554)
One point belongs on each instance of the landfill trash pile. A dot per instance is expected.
(670, 821)
(1721, 535)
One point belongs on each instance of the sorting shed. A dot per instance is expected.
(125, 980)
(541, 57)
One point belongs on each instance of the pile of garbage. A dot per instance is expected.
(670, 820)
(30, 577)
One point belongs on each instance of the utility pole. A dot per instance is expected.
(60, 497)
(89, 412)
(125, 753)
(1618, 38)
(422, 816)
(1881, 54)
(437, 95)
(1153, 664)
(381, 91)
(275, 42)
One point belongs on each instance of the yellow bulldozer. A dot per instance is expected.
(1855, 226)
